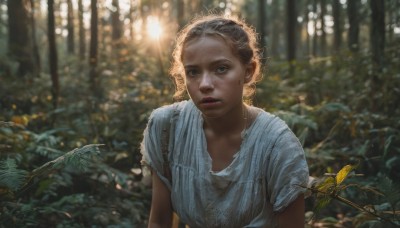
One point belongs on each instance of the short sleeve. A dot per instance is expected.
(151, 145)
(287, 171)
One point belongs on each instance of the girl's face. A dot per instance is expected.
(214, 76)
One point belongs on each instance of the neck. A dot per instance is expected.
(235, 122)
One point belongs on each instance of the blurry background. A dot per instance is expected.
(89, 72)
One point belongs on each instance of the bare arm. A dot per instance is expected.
(293, 215)
(161, 207)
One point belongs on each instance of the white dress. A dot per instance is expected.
(264, 177)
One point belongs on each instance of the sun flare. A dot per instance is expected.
(154, 29)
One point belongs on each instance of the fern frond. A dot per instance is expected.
(10, 176)
(79, 157)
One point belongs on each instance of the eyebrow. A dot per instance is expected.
(218, 61)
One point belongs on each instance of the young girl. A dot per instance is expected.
(224, 163)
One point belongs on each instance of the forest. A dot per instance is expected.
(79, 79)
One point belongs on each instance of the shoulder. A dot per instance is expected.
(272, 132)
(164, 113)
(270, 123)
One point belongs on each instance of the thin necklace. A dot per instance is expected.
(245, 115)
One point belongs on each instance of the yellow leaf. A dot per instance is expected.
(327, 185)
(22, 120)
(343, 173)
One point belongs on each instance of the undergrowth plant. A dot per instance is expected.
(383, 206)
(74, 189)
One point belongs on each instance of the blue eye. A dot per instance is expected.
(221, 69)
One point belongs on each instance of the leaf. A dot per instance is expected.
(373, 190)
(22, 120)
(10, 176)
(327, 185)
(322, 202)
(343, 173)
(333, 107)
(79, 157)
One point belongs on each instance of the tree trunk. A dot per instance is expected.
(82, 37)
(337, 26)
(20, 42)
(36, 55)
(131, 11)
(300, 38)
(53, 59)
(70, 28)
(397, 14)
(315, 36)
(93, 48)
(323, 33)
(378, 32)
(306, 21)
(262, 17)
(1, 18)
(377, 49)
(291, 33)
(276, 28)
(116, 23)
(180, 6)
(354, 24)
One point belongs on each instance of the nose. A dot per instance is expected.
(206, 83)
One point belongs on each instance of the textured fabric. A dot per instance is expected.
(264, 177)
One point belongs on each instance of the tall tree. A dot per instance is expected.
(300, 35)
(323, 32)
(180, 7)
(93, 48)
(337, 26)
(354, 24)
(397, 14)
(116, 23)
(306, 21)
(70, 28)
(377, 47)
(20, 39)
(1, 13)
(291, 32)
(82, 37)
(262, 17)
(53, 58)
(36, 55)
(315, 35)
(276, 29)
(131, 12)
(378, 32)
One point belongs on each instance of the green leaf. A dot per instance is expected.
(79, 157)
(343, 173)
(333, 107)
(10, 176)
(322, 202)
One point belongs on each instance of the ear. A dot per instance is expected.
(250, 69)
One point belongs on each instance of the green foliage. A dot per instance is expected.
(10, 176)
(383, 205)
(344, 112)
(80, 187)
